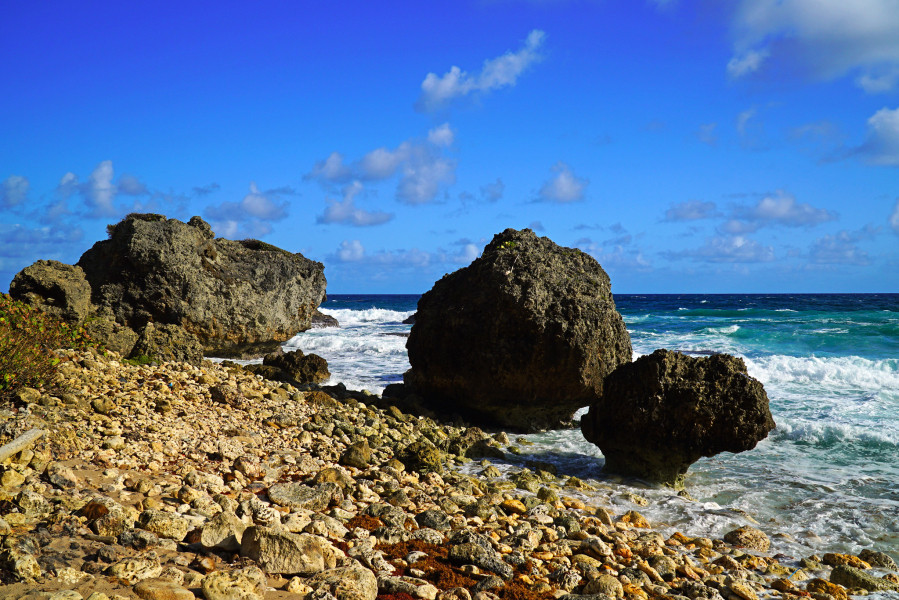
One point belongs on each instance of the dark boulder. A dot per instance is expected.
(298, 367)
(236, 297)
(56, 288)
(321, 320)
(521, 338)
(663, 412)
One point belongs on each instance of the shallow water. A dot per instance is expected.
(827, 478)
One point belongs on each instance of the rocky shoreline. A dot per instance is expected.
(182, 481)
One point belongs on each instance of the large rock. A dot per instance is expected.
(237, 298)
(661, 413)
(167, 342)
(299, 367)
(521, 338)
(288, 553)
(55, 287)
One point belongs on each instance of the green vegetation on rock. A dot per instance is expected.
(28, 339)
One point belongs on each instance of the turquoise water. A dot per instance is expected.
(826, 479)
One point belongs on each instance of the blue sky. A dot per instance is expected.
(689, 145)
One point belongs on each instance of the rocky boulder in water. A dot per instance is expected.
(236, 297)
(663, 412)
(521, 338)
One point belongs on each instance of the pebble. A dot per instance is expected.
(168, 478)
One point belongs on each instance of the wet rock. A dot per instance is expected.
(288, 553)
(346, 583)
(878, 559)
(248, 583)
(748, 537)
(521, 338)
(854, 578)
(422, 457)
(299, 367)
(661, 413)
(321, 320)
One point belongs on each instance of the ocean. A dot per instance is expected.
(825, 480)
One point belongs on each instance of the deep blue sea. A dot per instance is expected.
(826, 479)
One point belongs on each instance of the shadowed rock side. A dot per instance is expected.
(661, 413)
(521, 338)
(236, 297)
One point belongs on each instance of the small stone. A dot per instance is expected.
(878, 559)
(346, 583)
(62, 476)
(165, 524)
(635, 519)
(357, 455)
(223, 531)
(821, 586)
(742, 590)
(604, 584)
(514, 506)
(138, 568)
(288, 553)
(159, 589)
(248, 583)
(21, 565)
(748, 537)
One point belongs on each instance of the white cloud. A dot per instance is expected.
(330, 169)
(881, 82)
(350, 251)
(564, 187)
(14, 190)
(422, 178)
(382, 163)
(492, 192)
(824, 38)
(691, 210)
(100, 191)
(743, 120)
(841, 248)
(615, 256)
(68, 185)
(708, 133)
(776, 209)
(881, 147)
(347, 213)
(727, 249)
(894, 218)
(496, 73)
(251, 217)
(131, 186)
(750, 62)
(442, 136)
(422, 166)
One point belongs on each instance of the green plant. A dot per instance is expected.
(251, 244)
(28, 340)
(139, 361)
(509, 245)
